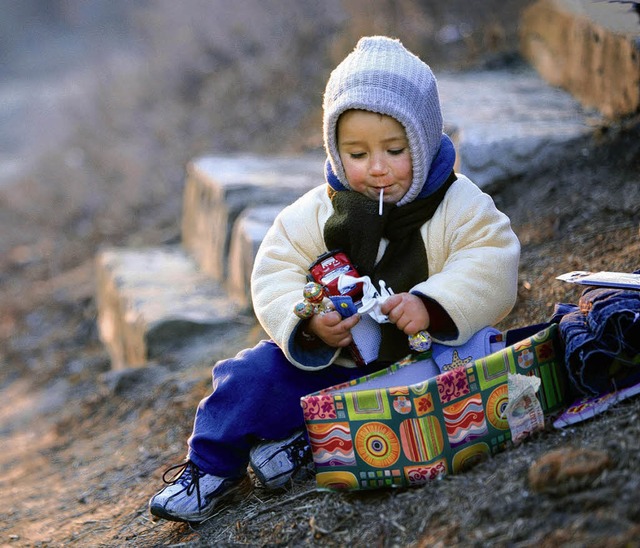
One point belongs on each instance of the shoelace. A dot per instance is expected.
(188, 475)
(298, 451)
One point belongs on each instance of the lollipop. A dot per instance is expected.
(313, 292)
(304, 310)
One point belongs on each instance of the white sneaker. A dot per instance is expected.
(191, 494)
(276, 462)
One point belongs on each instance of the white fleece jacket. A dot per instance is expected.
(472, 252)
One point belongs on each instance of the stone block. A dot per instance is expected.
(591, 49)
(509, 123)
(154, 299)
(219, 188)
(248, 232)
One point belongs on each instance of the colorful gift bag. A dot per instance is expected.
(401, 426)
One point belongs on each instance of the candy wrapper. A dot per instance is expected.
(523, 410)
(329, 270)
(371, 303)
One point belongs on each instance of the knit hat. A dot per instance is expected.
(380, 75)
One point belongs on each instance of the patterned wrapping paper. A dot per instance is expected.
(405, 435)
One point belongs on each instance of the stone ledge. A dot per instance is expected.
(248, 233)
(591, 49)
(150, 300)
(510, 122)
(219, 188)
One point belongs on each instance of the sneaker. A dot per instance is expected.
(191, 494)
(276, 462)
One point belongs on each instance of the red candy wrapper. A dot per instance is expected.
(326, 270)
(328, 267)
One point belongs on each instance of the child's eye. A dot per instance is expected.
(357, 155)
(397, 151)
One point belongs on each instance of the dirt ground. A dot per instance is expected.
(83, 447)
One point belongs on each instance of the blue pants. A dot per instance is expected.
(256, 396)
(603, 328)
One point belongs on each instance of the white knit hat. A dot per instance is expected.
(381, 75)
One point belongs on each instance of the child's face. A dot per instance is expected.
(374, 151)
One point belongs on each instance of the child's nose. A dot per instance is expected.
(378, 166)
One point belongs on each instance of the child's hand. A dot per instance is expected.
(333, 329)
(407, 311)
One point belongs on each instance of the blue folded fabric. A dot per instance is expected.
(478, 346)
(601, 336)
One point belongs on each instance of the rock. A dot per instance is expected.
(219, 188)
(151, 300)
(591, 49)
(132, 381)
(567, 469)
(248, 232)
(510, 123)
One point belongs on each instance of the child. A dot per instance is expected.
(439, 242)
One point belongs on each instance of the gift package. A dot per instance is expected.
(403, 426)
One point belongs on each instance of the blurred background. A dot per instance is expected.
(102, 102)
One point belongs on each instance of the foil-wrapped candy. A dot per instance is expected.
(420, 342)
(313, 292)
(314, 295)
(303, 309)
